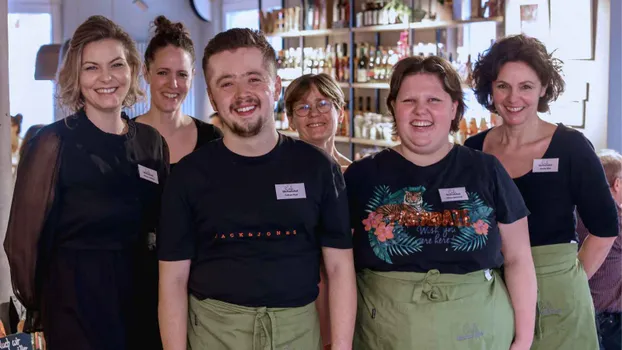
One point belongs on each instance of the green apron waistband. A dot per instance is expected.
(264, 317)
(416, 286)
(555, 257)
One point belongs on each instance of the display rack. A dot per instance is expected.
(377, 30)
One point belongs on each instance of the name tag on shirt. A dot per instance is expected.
(453, 194)
(548, 165)
(148, 174)
(290, 191)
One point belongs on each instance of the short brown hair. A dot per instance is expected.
(326, 85)
(238, 38)
(95, 28)
(518, 48)
(612, 163)
(168, 33)
(431, 65)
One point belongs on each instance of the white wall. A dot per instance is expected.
(137, 24)
(578, 73)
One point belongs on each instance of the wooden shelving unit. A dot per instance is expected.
(352, 31)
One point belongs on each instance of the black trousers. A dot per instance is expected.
(609, 330)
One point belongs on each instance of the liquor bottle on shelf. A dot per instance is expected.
(361, 73)
(371, 64)
(472, 127)
(368, 110)
(483, 126)
(345, 63)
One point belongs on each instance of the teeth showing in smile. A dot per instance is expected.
(106, 91)
(170, 95)
(421, 123)
(245, 109)
(514, 109)
(315, 125)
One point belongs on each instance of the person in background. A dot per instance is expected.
(433, 224)
(87, 195)
(556, 170)
(245, 241)
(606, 283)
(16, 129)
(214, 119)
(314, 105)
(169, 71)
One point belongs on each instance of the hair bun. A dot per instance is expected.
(164, 26)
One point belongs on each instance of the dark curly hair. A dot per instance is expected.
(168, 33)
(518, 48)
(432, 65)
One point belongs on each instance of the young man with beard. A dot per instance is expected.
(246, 219)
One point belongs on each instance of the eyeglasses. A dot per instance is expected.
(322, 106)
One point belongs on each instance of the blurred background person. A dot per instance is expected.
(606, 283)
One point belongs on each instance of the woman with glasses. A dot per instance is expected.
(314, 105)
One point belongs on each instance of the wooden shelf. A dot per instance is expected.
(371, 86)
(342, 139)
(286, 83)
(379, 143)
(381, 28)
(427, 24)
(317, 32)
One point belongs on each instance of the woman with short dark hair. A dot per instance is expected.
(433, 223)
(556, 170)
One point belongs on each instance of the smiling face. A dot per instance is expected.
(516, 93)
(316, 126)
(423, 113)
(243, 90)
(170, 78)
(105, 75)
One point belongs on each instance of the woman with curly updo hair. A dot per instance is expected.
(556, 171)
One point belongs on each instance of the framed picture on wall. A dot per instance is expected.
(572, 29)
(534, 21)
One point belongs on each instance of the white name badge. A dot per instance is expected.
(548, 165)
(290, 191)
(453, 194)
(148, 174)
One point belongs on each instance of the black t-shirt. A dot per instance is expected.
(253, 226)
(109, 185)
(443, 216)
(551, 196)
(205, 133)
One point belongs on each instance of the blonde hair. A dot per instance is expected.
(95, 28)
(325, 84)
(612, 163)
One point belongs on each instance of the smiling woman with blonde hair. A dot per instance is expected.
(86, 198)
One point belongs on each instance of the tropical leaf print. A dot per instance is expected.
(475, 236)
(468, 240)
(404, 244)
(380, 197)
(380, 249)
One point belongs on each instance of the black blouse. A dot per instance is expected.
(569, 175)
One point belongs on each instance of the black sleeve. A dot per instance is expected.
(176, 240)
(476, 141)
(590, 190)
(335, 217)
(351, 185)
(509, 203)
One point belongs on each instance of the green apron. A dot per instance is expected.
(215, 325)
(565, 315)
(433, 311)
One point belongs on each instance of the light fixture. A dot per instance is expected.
(141, 4)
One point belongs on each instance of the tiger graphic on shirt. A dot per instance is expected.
(392, 214)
